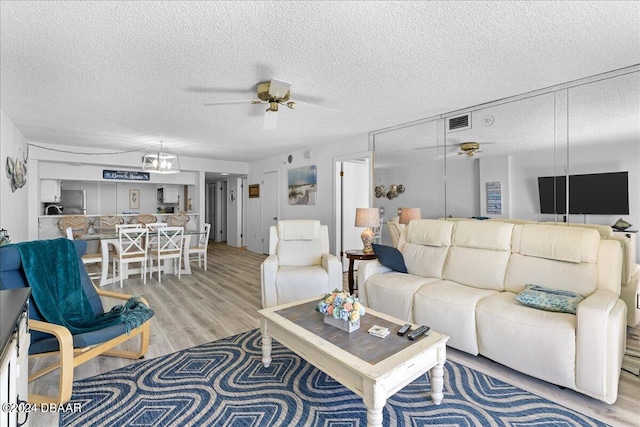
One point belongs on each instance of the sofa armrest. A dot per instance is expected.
(630, 294)
(600, 342)
(268, 272)
(367, 269)
(333, 266)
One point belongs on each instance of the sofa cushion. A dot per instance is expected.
(392, 293)
(299, 229)
(550, 299)
(390, 257)
(295, 283)
(429, 232)
(536, 342)
(480, 268)
(299, 253)
(450, 308)
(495, 236)
(424, 245)
(580, 278)
(571, 244)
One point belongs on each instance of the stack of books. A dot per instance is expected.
(379, 331)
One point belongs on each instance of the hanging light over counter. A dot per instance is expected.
(161, 162)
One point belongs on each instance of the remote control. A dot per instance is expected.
(418, 332)
(404, 329)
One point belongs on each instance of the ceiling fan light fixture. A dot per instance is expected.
(273, 107)
(469, 148)
(161, 162)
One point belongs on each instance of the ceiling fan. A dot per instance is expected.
(469, 148)
(274, 93)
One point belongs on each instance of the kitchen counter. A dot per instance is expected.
(48, 224)
(12, 304)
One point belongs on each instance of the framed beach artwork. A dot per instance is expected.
(303, 185)
(134, 199)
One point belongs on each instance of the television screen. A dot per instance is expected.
(596, 194)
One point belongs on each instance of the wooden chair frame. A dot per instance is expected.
(199, 252)
(168, 246)
(131, 248)
(69, 357)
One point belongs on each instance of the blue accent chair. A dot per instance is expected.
(48, 339)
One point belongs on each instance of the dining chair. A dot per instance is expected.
(144, 219)
(131, 248)
(178, 220)
(200, 252)
(79, 225)
(108, 224)
(87, 258)
(168, 246)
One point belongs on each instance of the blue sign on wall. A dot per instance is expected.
(128, 175)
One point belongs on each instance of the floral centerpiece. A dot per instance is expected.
(341, 310)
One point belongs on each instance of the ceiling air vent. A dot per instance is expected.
(459, 123)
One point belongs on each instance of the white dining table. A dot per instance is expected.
(108, 241)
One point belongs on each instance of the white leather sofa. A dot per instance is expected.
(299, 264)
(462, 280)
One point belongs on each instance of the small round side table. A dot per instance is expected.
(353, 255)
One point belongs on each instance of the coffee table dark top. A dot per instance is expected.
(359, 343)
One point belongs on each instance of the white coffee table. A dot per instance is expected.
(373, 368)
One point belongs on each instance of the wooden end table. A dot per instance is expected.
(353, 255)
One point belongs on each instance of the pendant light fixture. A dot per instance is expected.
(161, 162)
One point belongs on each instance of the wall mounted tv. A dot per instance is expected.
(595, 194)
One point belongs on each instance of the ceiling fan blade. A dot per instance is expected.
(278, 88)
(245, 101)
(270, 119)
(315, 106)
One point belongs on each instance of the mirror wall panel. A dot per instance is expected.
(410, 156)
(587, 126)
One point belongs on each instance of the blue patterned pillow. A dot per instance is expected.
(390, 257)
(550, 299)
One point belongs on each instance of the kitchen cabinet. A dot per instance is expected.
(50, 191)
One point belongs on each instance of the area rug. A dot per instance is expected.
(224, 383)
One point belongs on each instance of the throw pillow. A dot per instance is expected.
(550, 299)
(390, 257)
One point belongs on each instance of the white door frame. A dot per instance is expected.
(337, 202)
(268, 219)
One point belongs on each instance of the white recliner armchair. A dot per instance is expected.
(299, 264)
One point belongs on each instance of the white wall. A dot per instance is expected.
(495, 169)
(13, 205)
(321, 156)
(234, 212)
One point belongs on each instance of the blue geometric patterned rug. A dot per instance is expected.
(223, 383)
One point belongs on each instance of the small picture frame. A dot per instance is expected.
(134, 199)
(254, 191)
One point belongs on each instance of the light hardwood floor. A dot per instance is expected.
(224, 300)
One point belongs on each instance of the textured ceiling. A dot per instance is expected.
(126, 75)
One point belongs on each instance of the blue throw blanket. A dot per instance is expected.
(52, 271)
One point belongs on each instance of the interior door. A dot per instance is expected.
(355, 190)
(223, 211)
(269, 206)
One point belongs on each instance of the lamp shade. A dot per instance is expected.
(407, 214)
(367, 217)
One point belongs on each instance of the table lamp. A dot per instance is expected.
(368, 218)
(407, 214)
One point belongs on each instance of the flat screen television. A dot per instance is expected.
(595, 194)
